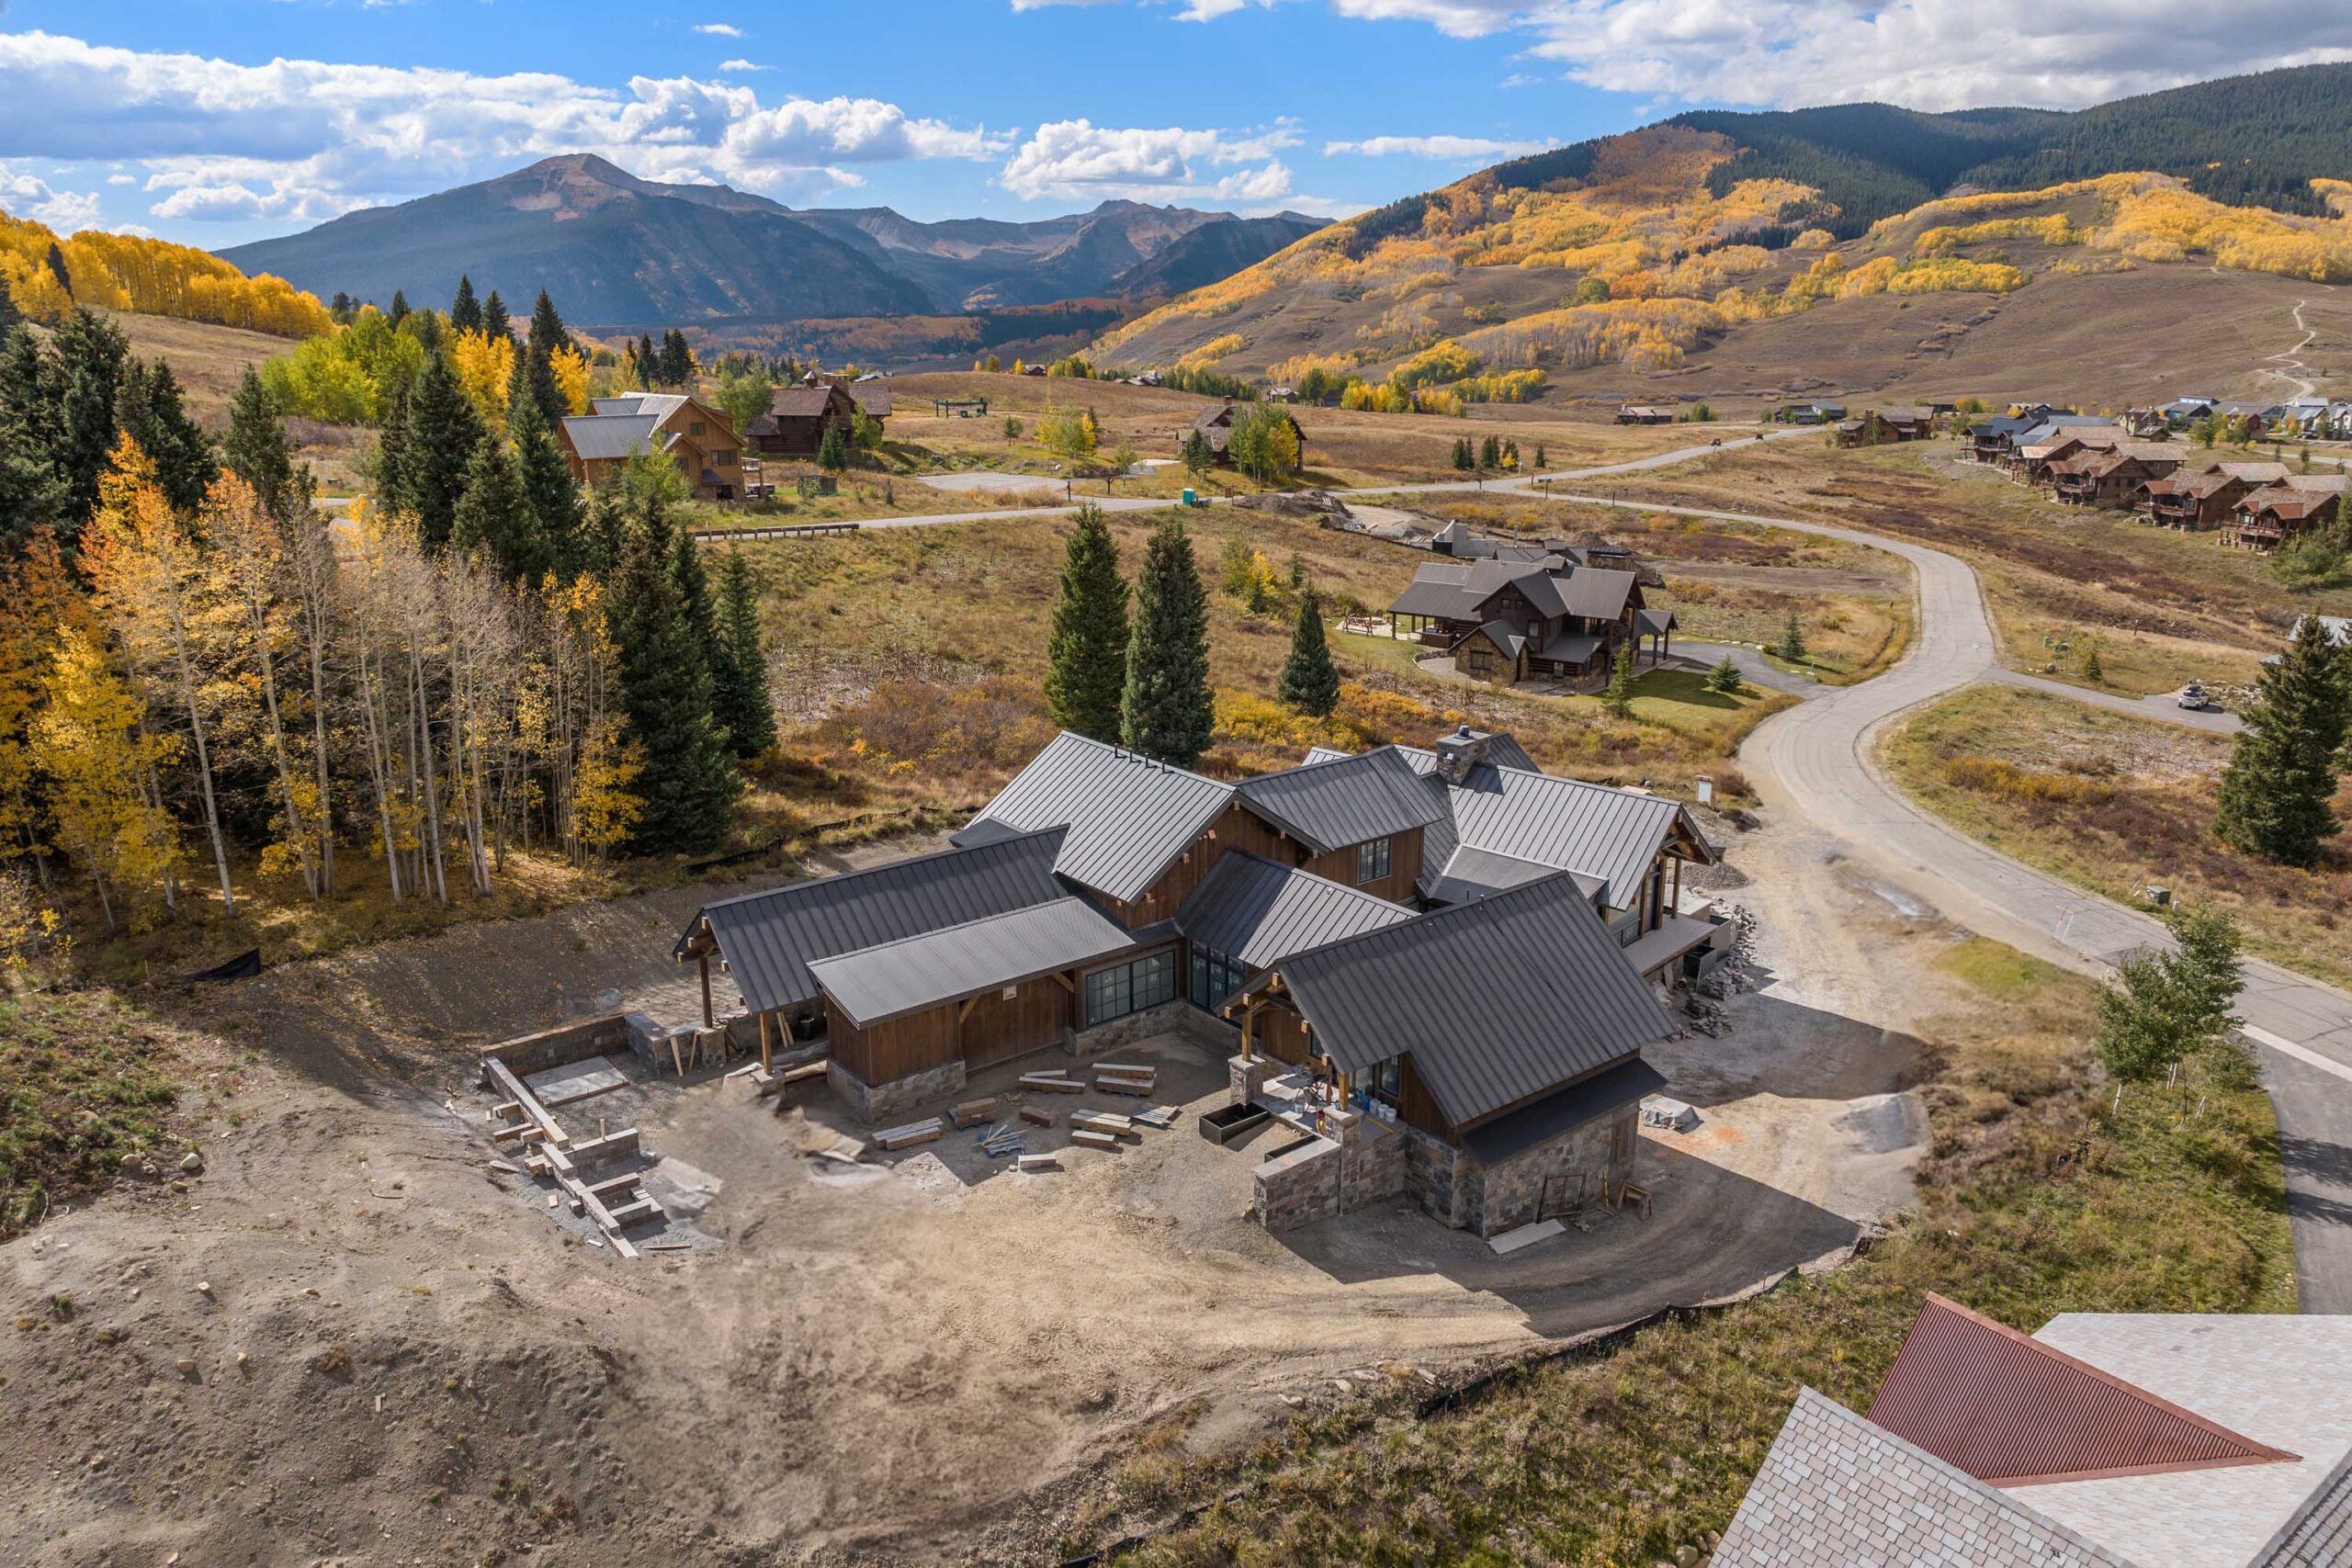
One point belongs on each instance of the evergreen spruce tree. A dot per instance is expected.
(549, 488)
(2274, 792)
(147, 406)
(464, 310)
(739, 699)
(1310, 683)
(1490, 452)
(1618, 696)
(649, 360)
(694, 590)
(1087, 651)
(495, 323)
(1791, 645)
(32, 497)
(677, 359)
(688, 782)
(56, 260)
(494, 517)
(256, 449)
(391, 452)
(91, 356)
(398, 312)
(437, 451)
(1165, 710)
(10, 317)
(603, 533)
(1725, 678)
(832, 452)
(32, 386)
(1539, 454)
(546, 336)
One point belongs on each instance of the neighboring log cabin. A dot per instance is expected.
(1101, 896)
(800, 416)
(1511, 619)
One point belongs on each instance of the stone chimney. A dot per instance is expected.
(1458, 752)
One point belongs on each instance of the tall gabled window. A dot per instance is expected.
(1372, 860)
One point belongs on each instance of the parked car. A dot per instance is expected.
(2193, 698)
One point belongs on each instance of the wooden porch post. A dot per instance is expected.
(708, 1017)
(1248, 1030)
(1678, 885)
(767, 1056)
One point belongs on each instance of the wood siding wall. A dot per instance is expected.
(1233, 829)
(1403, 868)
(1416, 1108)
(1282, 1034)
(996, 1030)
(892, 1050)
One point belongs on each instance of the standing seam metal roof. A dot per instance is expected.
(601, 436)
(1614, 834)
(1258, 913)
(894, 978)
(770, 939)
(1330, 805)
(1128, 817)
(1497, 1002)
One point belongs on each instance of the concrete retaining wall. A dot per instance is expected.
(560, 1046)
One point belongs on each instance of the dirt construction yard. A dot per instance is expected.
(354, 1340)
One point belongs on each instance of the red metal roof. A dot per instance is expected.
(2007, 1409)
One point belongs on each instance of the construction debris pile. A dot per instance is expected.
(1735, 973)
(1090, 1128)
(524, 1121)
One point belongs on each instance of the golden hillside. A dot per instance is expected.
(1627, 273)
(123, 272)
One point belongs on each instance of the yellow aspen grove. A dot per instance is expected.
(483, 365)
(603, 809)
(90, 743)
(143, 574)
(570, 368)
(244, 566)
(37, 601)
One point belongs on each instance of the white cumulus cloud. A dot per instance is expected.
(720, 29)
(303, 140)
(1076, 160)
(743, 65)
(1434, 147)
(26, 194)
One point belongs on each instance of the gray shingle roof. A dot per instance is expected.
(1128, 818)
(1837, 1492)
(1258, 913)
(770, 939)
(1499, 1001)
(895, 978)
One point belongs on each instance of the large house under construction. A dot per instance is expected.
(1453, 957)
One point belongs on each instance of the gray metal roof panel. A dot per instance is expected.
(601, 436)
(1128, 817)
(1497, 1002)
(1468, 876)
(770, 939)
(1328, 806)
(1599, 592)
(1610, 833)
(1258, 913)
(1438, 590)
(895, 978)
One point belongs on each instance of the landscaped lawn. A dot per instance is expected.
(2116, 804)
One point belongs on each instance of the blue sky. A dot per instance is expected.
(215, 121)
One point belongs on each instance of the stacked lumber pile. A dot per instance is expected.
(972, 1113)
(1055, 1081)
(1120, 1079)
(928, 1130)
(551, 1151)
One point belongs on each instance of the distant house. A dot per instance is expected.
(599, 444)
(1881, 427)
(1993, 439)
(1509, 620)
(1216, 425)
(1643, 414)
(2111, 478)
(2266, 517)
(2101, 1440)
(800, 416)
(2203, 493)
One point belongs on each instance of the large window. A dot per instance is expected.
(1372, 860)
(1130, 988)
(1214, 979)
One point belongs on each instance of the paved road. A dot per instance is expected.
(1818, 755)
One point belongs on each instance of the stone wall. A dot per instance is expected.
(1298, 1188)
(1505, 1196)
(1429, 1173)
(560, 1046)
(887, 1102)
(1371, 1165)
(1243, 1079)
(1179, 1016)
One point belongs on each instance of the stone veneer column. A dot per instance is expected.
(1245, 1077)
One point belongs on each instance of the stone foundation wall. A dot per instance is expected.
(1371, 1168)
(886, 1103)
(1297, 1188)
(560, 1046)
(1428, 1170)
(1506, 1196)
(1243, 1079)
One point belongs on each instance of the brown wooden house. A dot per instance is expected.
(1882, 427)
(599, 444)
(1507, 620)
(1215, 426)
(2110, 479)
(800, 416)
(2266, 517)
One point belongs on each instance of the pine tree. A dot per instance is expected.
(1087, 651)
(536, 364)
(1490, 454)
(649, 360)
(1167, 710)
(1463, 457)
(32, 497)
(11, 318)
(1791, 645)
(677, 359)
(1725, 678)
(92, 357)
(398, 312)
(550, 490)
(437, 450)
(56, 260)
(1539, 454)
(256, 449)
(833, 453)
(2274, 792)
(688, 782)
(148, 407)
(1309, 681)
(495, 323)
(1618, 696)
(494, 517)
(464, 310)
(739, 700)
